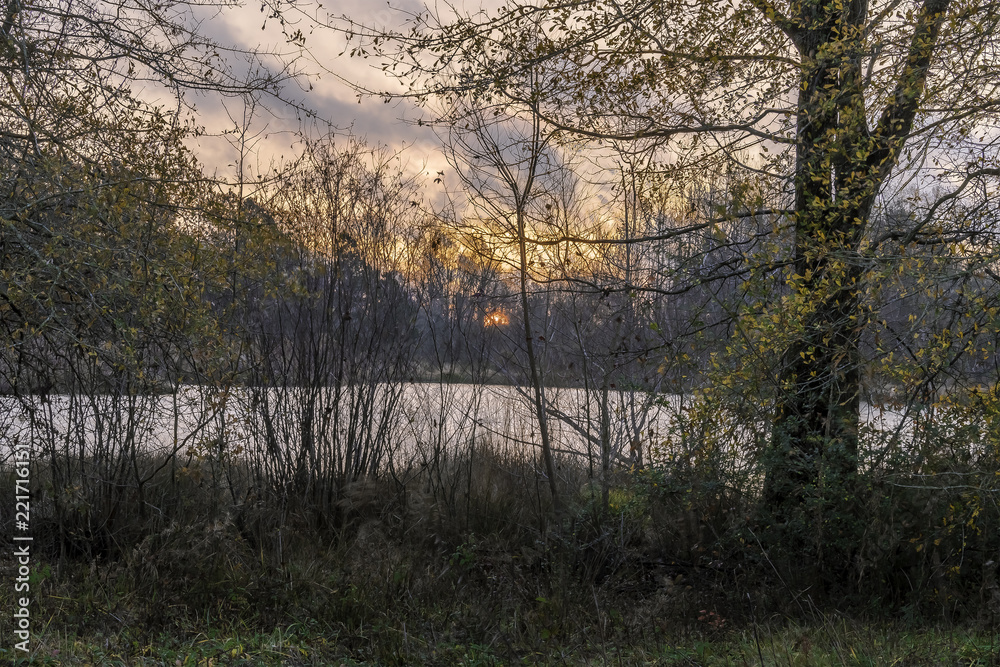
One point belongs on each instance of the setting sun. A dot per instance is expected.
(496, 319)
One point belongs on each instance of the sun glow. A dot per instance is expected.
(496, 319)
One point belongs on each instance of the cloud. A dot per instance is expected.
(315, 97)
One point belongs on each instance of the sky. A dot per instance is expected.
(324, 68)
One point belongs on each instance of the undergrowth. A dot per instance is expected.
(473, 566)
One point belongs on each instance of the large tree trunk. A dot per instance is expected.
(840, 166)
(816, 422)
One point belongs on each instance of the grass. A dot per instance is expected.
(469, 566)
(827, 643)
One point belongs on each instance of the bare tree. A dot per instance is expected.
(503, 163)
(330, 344)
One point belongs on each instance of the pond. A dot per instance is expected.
(408, 422)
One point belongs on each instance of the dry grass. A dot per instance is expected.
(468, 564)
